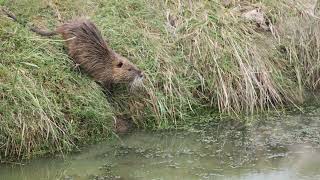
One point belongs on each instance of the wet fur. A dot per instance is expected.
(88, 49)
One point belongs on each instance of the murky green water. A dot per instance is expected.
(276, 151)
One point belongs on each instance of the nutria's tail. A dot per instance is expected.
(42, 32)
(33, 29)
(10, 14)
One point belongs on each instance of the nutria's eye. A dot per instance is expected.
(119, 65)
(129, 69)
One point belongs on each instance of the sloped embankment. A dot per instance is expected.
(200, 57)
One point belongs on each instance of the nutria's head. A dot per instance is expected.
(126, 72)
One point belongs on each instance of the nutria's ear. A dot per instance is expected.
(119, 64)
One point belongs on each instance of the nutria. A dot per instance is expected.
(90, 51)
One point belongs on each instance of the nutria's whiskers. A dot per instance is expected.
(137, 83)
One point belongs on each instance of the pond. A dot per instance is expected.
(278, 148)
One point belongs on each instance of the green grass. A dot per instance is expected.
(45, 105)
(201, 59)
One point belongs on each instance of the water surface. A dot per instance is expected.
(219, 151)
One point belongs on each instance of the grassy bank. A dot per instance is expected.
(200, 57)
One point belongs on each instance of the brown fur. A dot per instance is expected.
(88, 49)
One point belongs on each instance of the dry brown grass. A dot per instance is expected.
(200, 58)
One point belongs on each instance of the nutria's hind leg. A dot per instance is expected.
(107, 92)
(107, 88)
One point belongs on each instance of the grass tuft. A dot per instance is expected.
(199, 57)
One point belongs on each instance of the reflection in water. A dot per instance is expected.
(268, 153)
